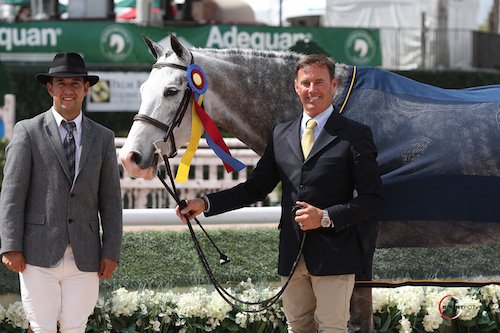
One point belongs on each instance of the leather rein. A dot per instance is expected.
(172, 190)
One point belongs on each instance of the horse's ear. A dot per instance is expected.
(180, 50)
(155, 49)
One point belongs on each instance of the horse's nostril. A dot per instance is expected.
(136, 157)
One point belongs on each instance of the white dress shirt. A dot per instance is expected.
(77, 134)
(320, 120)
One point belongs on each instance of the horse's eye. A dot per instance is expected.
(169, 92)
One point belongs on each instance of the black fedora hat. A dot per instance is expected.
(67, 65)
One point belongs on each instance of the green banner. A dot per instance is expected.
(104, 42)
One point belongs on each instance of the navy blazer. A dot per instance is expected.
(340, 174)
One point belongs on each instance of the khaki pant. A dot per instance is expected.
(317, 303)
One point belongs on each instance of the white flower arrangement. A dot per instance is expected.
(491, 296)
(404, 310)
(405, 325)
(15, 316)
(399, 307)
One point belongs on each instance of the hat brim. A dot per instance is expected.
(44, 78)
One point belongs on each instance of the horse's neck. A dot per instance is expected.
(248, 94)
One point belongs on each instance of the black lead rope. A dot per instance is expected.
(229, 298)
(265, 304)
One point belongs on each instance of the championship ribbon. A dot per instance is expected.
(201, 120)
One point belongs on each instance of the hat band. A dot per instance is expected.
(66, 69)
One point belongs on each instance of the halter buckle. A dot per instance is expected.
(161, 146)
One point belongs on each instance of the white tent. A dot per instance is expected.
(448, 29)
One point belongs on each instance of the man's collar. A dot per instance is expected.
(59, 119)
(321, 118)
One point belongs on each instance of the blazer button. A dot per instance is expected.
(72, 194)
(301, 187)
(70, 221)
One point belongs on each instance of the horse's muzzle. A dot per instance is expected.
(131, 163)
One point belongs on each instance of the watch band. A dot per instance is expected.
(326, 222)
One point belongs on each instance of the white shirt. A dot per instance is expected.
(77, 133)
(320, 120)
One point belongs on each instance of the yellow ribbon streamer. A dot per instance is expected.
(196, 132)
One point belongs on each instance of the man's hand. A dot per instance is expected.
(106, 268)
(14, 261)
(308, 217)
(194, 208)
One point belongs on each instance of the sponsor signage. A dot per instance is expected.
(104, 42)
(116, 91)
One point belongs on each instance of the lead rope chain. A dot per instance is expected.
(230, 299)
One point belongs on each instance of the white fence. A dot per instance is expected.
(207, 175)
(167, 217)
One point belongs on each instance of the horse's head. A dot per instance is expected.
(162, 121)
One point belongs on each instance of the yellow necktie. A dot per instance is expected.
(308, 137)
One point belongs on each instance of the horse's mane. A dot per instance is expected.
(286, 59)
(287, 55)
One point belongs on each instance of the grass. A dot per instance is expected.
(438, 263)
(167, 259)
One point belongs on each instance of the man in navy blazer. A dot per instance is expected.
(336, 187)
(54, 206)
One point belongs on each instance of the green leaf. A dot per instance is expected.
(484, 318)
(262, 327)
(230, 326)
(198, 325)
(386, 325)
(129, 329)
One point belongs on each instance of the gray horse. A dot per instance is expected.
(439, 157)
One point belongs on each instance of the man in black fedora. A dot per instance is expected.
(60, 205)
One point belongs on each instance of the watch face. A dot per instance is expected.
(325, 222)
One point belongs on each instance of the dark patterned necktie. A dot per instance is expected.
(69, 145)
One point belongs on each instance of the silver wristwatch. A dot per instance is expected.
(325, 221)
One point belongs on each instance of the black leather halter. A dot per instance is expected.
(179, 114)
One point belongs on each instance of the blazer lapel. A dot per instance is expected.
(87, 138)
(293, 139)
(54, 139)
(327, 135)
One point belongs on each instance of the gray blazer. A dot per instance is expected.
(42, 210)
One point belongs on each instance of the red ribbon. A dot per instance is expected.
(212, 130)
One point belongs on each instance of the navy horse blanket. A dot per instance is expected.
(439, 149)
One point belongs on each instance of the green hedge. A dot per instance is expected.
(4, 83)
(166, 259)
